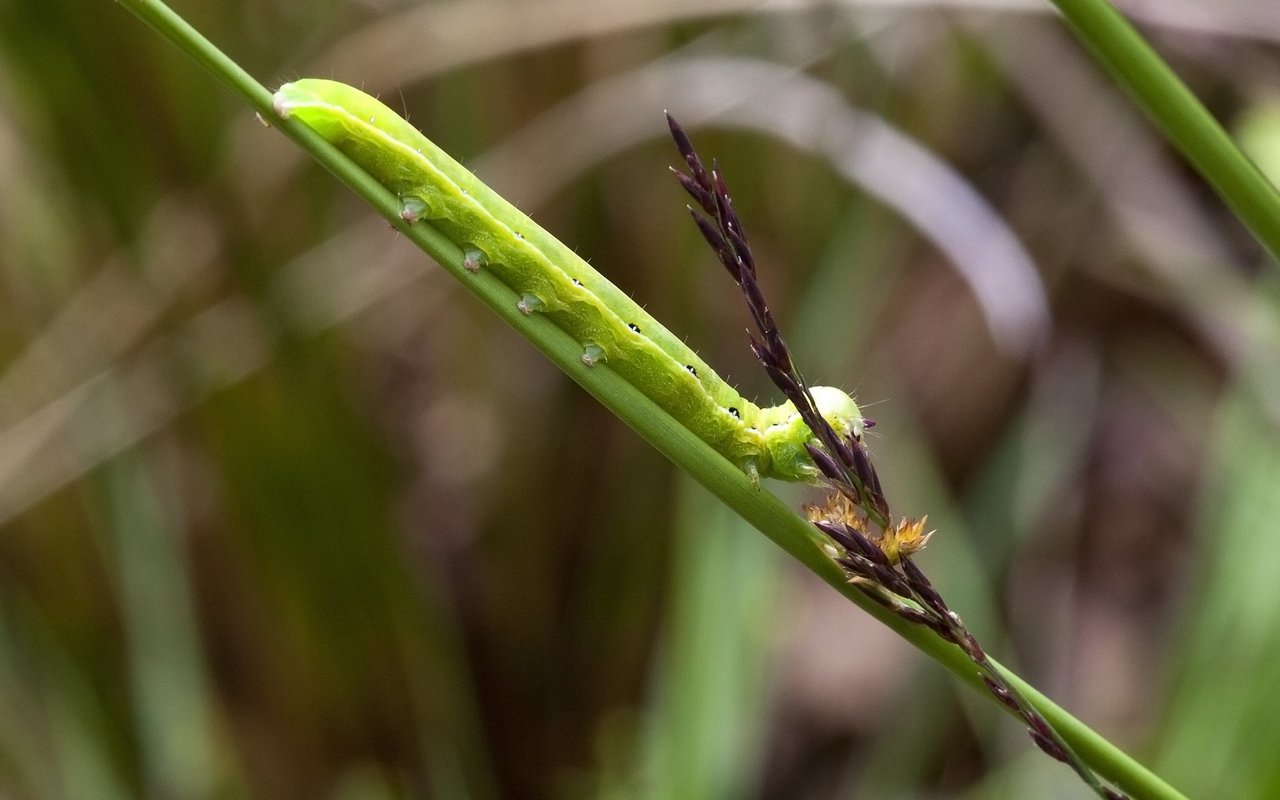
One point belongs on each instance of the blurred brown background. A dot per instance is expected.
(287, 514)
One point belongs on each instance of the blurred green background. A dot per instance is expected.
(287, 514)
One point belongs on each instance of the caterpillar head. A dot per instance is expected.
(839, 410)
(785, 434)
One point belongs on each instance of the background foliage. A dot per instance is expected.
(286, 514)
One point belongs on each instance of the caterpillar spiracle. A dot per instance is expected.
(550, 279)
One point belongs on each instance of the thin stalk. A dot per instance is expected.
(764, 510)
(1179, 115)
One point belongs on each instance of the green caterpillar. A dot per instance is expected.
(551, 279)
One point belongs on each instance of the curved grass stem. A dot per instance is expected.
(1179, 115)
(762, 509)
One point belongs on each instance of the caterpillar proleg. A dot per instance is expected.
(550, 279)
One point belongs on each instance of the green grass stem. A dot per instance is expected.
(762, 509)
(1179, 115)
